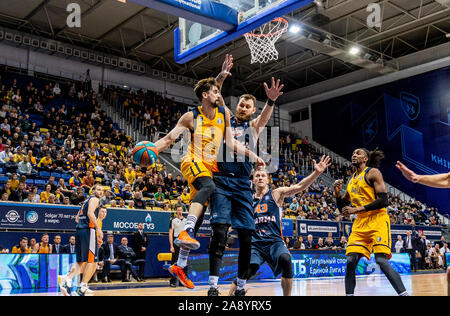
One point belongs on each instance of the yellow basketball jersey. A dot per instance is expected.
(361, 192)
(43, 249)
(207, 136)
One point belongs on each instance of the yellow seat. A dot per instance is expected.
(43, 130)
(164, 257)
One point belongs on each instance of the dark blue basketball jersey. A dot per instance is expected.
(83, 220)
(231, 164)
(267, 219)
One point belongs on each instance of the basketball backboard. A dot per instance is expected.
(193, 38)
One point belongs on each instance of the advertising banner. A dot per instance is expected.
(317, 228)
(37, 216)
(287, 226)
(33, 271)
(305, 264)
(128, 220)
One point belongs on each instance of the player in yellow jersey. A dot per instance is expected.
(366, 196)
(208, 126)
(441, 181)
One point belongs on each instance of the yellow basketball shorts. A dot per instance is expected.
(192, 170)
(371, 234)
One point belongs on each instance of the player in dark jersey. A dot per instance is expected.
(267, 239)
(231, 203)
(88, 234)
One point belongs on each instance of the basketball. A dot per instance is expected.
(145, 154)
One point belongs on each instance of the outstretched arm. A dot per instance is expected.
(283, 192)
(226, 68)
(435, 181)
(272, 95)
(184, 123)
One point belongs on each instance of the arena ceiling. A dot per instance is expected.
(140, 33)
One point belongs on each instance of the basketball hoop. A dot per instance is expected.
(262, 40)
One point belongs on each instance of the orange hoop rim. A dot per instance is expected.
(283, 30)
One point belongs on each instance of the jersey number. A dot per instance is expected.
(261, 208)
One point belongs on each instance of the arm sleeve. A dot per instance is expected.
(379, 203)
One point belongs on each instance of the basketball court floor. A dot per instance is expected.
(434, 284)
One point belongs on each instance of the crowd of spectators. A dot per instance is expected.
(296, 156)
(77, 140)
(52, 128)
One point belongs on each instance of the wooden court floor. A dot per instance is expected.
(416, 285)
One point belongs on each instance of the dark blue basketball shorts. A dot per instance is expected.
(268, 252)
(86, 247)
(231, 203)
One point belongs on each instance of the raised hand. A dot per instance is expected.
(227, 65)
(275, 90)
(407, 173)
(323, 164)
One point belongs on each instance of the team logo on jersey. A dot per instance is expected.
(219, 121)
(378, 239)
(410, 104)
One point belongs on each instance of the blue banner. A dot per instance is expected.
(317, 228)
(33, 271)
(407, 118)
(37, 216)
(287, 225)
(305, 264)
(127, 220)
(447, 259)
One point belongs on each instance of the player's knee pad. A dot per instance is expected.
(286, 264)
(205, 187)
(218, 240)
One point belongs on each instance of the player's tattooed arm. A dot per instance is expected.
(226, 68)
(273, 93)
(185, 122)
(281, 193)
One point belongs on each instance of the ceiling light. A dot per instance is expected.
(354, 51)
(294, 29)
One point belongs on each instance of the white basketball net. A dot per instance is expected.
(262, 40)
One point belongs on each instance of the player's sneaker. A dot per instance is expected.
(186, 241)
(89, 292)
(64, 287)
(179, 273)
(240, 292)
(213, 292)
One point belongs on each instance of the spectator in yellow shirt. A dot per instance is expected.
(22, 247)
(14, 182)
(46, 162)
(45, 194)
(18, 157)
(185, 196)
(130, 174)
(32, 158)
